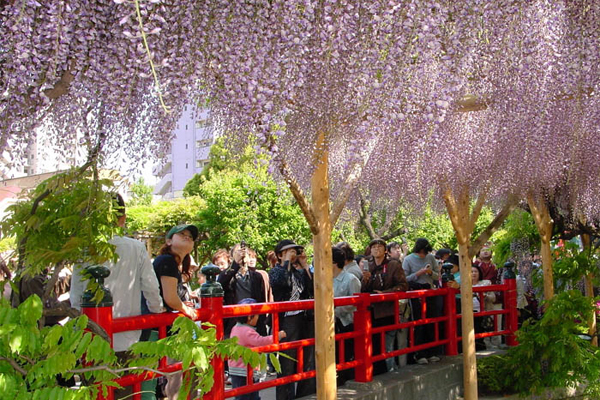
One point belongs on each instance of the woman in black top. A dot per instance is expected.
(172, 263)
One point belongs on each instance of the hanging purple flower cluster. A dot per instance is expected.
(385, 81)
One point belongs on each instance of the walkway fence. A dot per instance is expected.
(213, 311)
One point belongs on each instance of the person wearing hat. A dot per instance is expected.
(291, 280)
(133, 285)
(245, 331)
(385, 275)
(172, 264)
(130, 276)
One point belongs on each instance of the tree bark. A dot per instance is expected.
(586, 240)
(463, 223)
(323, 279)
(365, 218)
(484, 236)
(545, 226)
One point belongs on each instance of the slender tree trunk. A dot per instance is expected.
(463, 222)
(586, 240)
(545, 226)
(323, 280)
(468, 329)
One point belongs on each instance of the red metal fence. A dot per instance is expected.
(213, 311)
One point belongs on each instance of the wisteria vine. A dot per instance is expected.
(385, 81)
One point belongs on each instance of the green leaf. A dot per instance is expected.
(30, 310)
(275, 361)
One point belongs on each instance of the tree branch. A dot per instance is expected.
(349, 186)
(394, 233)
(118, 371)
(29, 360)
(483, 237)
(61, 87)
(299, 196)
(365, 218)
(15, 365)
(63, 311)
(477, 209)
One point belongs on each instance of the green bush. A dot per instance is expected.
(550, 354)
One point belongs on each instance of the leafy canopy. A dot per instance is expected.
(141, 194)
(68, 218)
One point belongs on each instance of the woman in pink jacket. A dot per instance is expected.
(245, 331)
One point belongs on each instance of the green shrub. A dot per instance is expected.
(550, 353)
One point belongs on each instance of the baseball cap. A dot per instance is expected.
(180, 228)
(378, 241)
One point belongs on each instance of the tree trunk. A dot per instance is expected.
(545, 225)
(463, 223)
(586, 240)
(323, 280)
(468, 329)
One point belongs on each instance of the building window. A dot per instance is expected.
(186, 146)
(186, 165)
(201, 123)
(202, 143)
(201, 163)
(186, 127)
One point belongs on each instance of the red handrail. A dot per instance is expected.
(214, 311)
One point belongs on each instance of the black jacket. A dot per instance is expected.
(227, 280)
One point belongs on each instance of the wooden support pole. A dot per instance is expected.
(463, 223)
(586, 241)
(545, 225)
(323, 278)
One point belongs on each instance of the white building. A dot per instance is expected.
(188, 153)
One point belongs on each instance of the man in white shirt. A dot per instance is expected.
(131, 275)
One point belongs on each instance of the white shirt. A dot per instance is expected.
(131, 275)
(345, 284)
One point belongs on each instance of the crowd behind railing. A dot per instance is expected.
(391, 309)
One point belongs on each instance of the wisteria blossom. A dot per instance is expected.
(383, 80)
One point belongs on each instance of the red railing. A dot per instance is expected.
(213, 311)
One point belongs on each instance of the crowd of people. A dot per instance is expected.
(141, 286)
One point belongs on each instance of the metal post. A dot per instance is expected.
(211, 294)
(363, 346)
(100, 312)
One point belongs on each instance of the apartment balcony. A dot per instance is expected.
(164, 167)
(164, 185)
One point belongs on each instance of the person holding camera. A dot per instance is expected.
(291, 280)
(241, 282)
(383, 275)
(423, 272)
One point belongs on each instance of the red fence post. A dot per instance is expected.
(510, 303)
(450, 311)
(363, 346)
(211, 294)
(100, 313)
